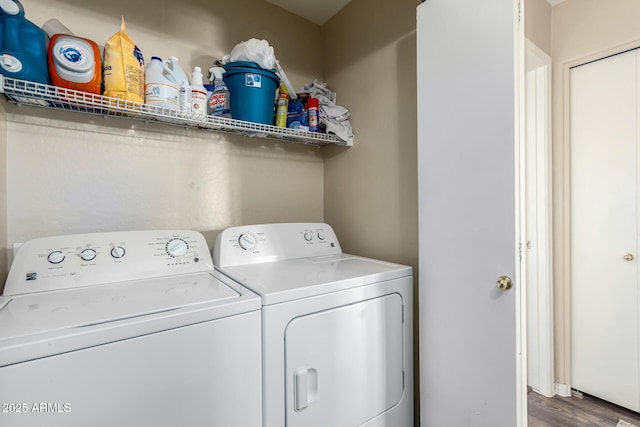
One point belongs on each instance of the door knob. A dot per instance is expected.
(628, 257)
(504, 283)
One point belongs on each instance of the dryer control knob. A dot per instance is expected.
(88, 254)
(247, 241)
(55, 257)
(308, 236)
(177, 247)
(321, 235)
(117, 252)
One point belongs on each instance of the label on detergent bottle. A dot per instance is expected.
(135, 78)
(161, 95)
(72, 55)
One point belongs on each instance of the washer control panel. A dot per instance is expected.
(61, 262)
(271, 242)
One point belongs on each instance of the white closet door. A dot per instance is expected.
(469, 337)
(604, 217)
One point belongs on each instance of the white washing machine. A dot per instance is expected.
(337, 328)
(127, 329)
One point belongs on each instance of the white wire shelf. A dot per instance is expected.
(23, 92)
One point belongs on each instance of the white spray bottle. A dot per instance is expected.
(219, 100)
(198, 92)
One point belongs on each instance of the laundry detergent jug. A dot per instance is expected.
(184, 89)
(74, 63)
(23, 45)
(161, 85)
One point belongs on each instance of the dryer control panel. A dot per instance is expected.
(62, 262)
(252, 244)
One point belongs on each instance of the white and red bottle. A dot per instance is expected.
(199, 98)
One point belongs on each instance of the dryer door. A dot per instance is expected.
(344, 366)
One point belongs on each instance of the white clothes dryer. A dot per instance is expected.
(127, 329)
(337, 328)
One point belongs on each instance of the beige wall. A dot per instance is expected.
(580, 29)
(371, 189)
(537, 25)
(69, 173)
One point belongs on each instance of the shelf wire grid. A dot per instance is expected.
(23, 92)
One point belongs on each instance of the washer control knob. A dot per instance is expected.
(308, 236)
(55, 257)
(117, 252)
(88, 254)
(177, 247)
(321, 235)
(247, 241)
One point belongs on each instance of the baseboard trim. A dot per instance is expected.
(563, 390)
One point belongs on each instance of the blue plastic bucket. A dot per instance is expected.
(252, 90)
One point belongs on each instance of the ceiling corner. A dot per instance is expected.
(318, 12)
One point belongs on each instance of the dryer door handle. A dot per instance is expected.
(305, 382)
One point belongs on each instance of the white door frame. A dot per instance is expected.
(538, 218)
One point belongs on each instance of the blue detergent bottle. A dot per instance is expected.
(23, 45)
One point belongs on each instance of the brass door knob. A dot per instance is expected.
(628, 257)
(504, 283)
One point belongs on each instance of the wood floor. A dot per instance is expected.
(573, 411)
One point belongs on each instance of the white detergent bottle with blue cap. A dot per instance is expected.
(160, 86)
